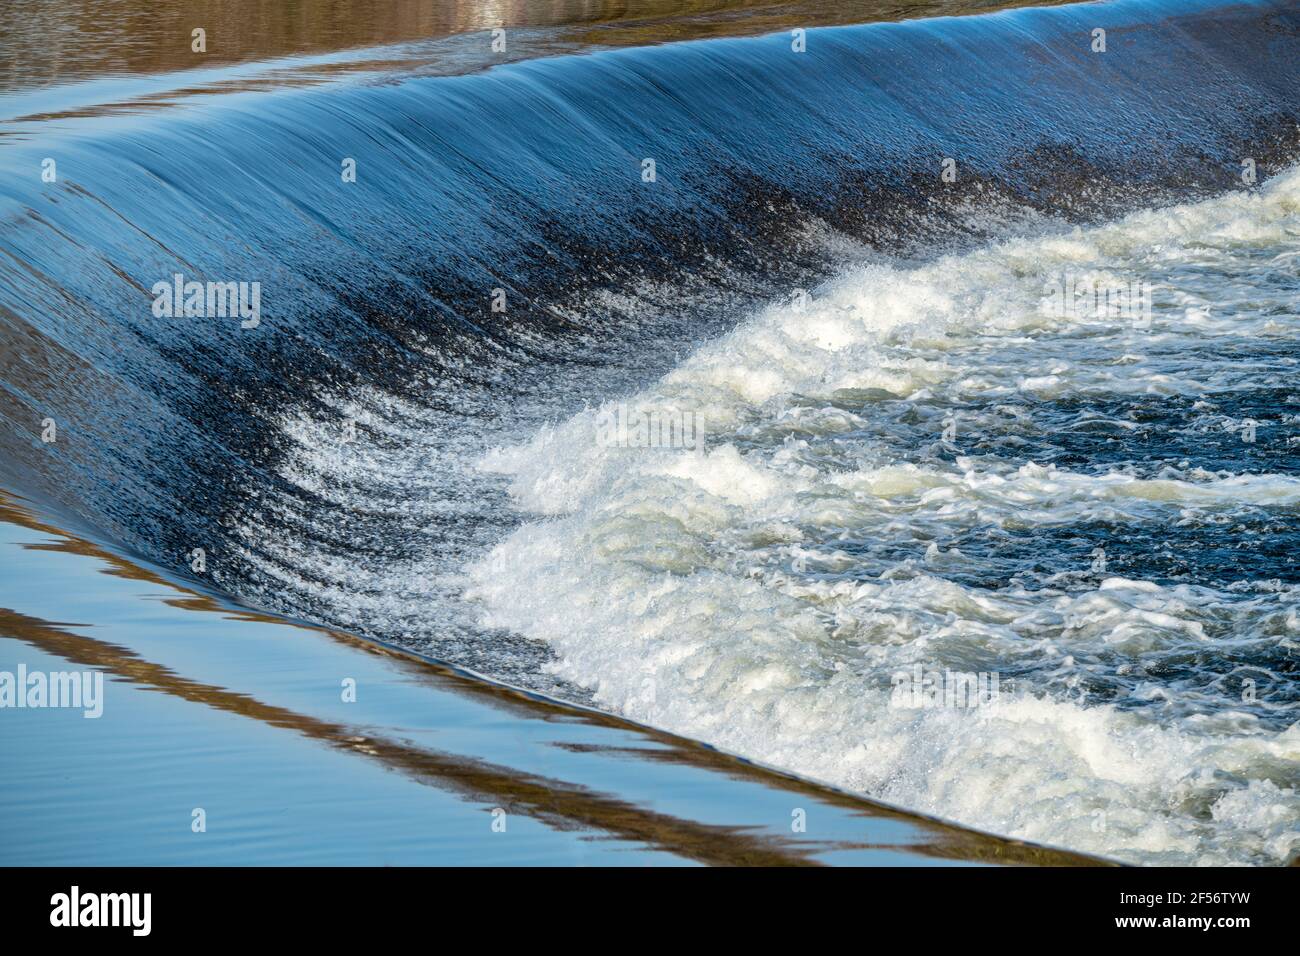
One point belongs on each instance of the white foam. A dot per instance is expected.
(684, 590)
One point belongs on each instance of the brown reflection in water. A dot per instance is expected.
(56, 41)
(554, 802)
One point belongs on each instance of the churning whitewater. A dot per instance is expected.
(1052, 469)
(954, 467)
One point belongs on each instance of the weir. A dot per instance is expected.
(454, 266)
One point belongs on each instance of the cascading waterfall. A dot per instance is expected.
(913, 462)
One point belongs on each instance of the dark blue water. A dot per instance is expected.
(326, 461)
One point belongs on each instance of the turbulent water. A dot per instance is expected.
(763, 595)
(1037, 424)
